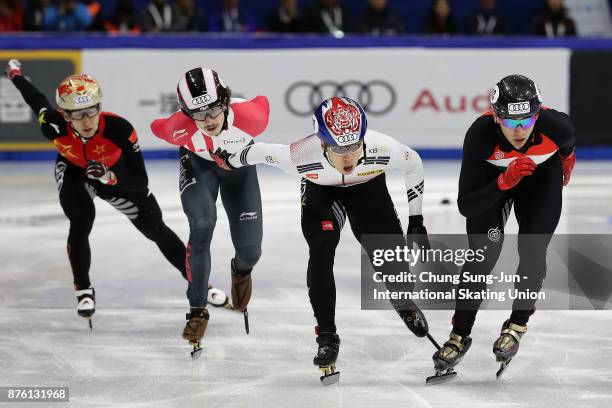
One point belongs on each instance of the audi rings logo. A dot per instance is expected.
(519, 107)
(377, 97)
(494, 234)
(353, 137)
(201, 99)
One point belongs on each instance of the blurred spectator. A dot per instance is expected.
(94, 8)
(325, 16)
(232, 19)
(285, 19)
(157, 16)
(123, 20)
(379, 19)
(554, 21)
(34, 15)
(485, 21)
(186, 17)
(440, 18)
(11, 16)
(67, 15)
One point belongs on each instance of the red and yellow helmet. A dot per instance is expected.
(78, 92)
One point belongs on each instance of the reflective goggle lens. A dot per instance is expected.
(213, 112)
(81, 113)
(345, 149)
(514, 123)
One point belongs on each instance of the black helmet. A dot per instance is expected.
(200, 89)
(516, 96)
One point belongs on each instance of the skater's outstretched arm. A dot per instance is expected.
(277, 155)
(51, 122)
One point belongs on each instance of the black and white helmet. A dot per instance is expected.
(516, 96)
(201, 89)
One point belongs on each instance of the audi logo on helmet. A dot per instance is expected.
(377, 97)
(201, 100)
(348, 139)
(519, 107)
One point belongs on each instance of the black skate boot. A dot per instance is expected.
(329, 345)
(507, 345)
(86, 304)
(447, 357)
(197, 321)
(413, 318)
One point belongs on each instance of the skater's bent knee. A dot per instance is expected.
(247, 257)
(204, 222)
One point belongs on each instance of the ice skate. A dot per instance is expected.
(86, 304)
(329, 345)
(447, 357)
(194, 330)
(507, 345)
(414, 319)
(242, 286)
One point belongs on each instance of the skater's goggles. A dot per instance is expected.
(213, 111)
(354, 148)
(514, 123)
(82, 113)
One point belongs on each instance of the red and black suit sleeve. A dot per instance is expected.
(559, 128)
(130, 168)
(52, 123)
(478, 190)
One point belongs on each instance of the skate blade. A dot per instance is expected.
(502, 369)
(197, 351)
(90, 324)
(330, 376)
(246, 321)
(441, 377)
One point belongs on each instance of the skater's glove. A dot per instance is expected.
(98, 171)
(13, 68)
(417, 233)
(221, 157)
(568, 163)
(518, 168)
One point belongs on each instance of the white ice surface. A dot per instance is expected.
(136, 358)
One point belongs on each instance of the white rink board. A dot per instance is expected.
(438, 92)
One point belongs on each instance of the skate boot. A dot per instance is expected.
(413, 318)
(217, 298)
(194, 330)
(329, 345)
(447, 357)
(86, 304)
(507, 345)
(242, 286)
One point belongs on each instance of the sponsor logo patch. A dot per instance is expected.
(327, 225)
(519, 108)
(200, 100)
(247, 216)
(369, 173)
(82, 100)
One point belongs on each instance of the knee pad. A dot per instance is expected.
(247, 257)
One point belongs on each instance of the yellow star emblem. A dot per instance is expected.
(41, 119)
(65, 150)
(100, 149)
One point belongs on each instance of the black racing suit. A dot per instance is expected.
(116, 145)
(536, 199)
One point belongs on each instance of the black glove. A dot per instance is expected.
(417, 233)
(98, 171)
(221, 157)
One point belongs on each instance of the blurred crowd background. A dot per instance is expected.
(548, 18)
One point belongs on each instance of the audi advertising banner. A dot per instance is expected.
(424, 97)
